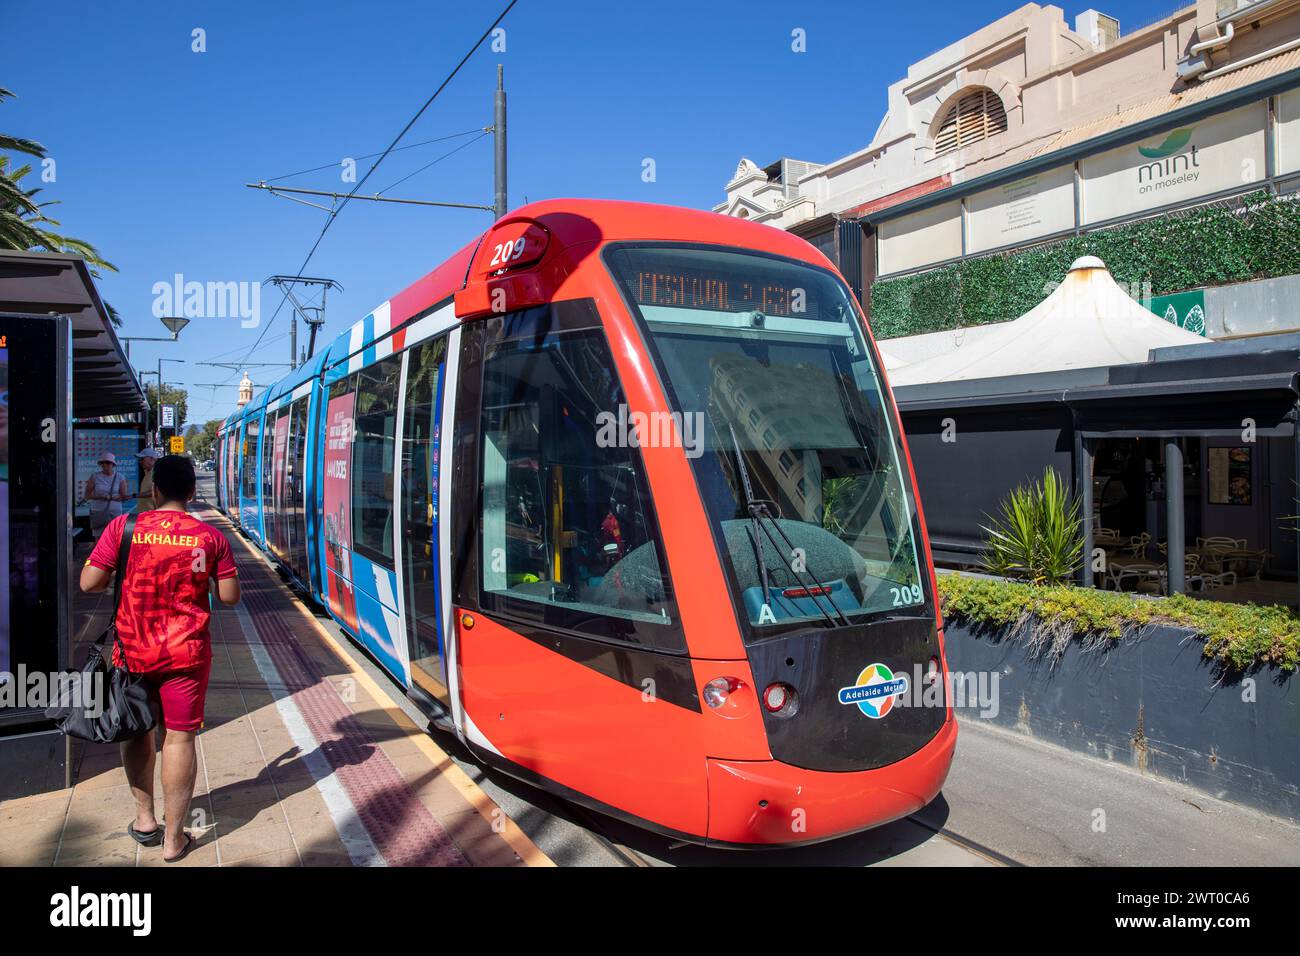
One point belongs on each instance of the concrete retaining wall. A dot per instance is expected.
(1155, 703)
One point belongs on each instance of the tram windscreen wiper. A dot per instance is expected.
(758, 514)
(749, 504)
(817, 589)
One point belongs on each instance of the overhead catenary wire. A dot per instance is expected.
(239, 348)
(335, 165)
(433, 163)
(333, 215)
(282, 192)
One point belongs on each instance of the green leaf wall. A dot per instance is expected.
(1257, 237)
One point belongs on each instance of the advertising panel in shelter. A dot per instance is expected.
(89, 443)
(34, 530)
(4, 508)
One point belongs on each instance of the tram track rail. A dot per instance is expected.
(589, 820)
(971, 846)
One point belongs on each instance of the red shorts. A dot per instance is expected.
(181, 695)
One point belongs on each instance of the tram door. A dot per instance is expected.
(277, 532)
(421, 440)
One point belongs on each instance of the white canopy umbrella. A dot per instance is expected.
(1088, 322)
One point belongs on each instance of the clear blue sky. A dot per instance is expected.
(153, 142)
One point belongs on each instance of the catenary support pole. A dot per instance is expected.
(499, 141)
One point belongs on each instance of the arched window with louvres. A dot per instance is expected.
(976, 115)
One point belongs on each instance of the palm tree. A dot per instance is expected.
(23, 220)
(9, 192)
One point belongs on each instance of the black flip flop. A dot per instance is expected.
(189, 845)
(152, 838)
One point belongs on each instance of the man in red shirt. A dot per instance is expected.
(163, 625)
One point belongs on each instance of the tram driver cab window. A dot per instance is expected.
(568, 531)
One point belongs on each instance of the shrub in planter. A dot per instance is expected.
(1038, 535)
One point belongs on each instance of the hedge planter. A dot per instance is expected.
(1151, 699)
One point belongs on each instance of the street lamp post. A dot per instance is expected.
(142, 374)
(159, 403)
(174, 324)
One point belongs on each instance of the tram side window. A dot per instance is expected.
(249, 477)
(566, 519)
(268, 457)
(232, 470)
(373, 451)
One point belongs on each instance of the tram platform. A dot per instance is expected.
(303, 760)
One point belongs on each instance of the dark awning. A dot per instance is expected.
(1193, 407)
(1207, 391)
(39, 283)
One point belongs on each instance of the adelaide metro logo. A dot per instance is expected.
(875, 691)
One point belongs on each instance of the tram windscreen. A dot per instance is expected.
(795, 449)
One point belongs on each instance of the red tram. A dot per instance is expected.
(620, 494)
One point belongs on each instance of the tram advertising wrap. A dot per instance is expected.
(337, 505)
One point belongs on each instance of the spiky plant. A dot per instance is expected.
(1038, 534)
(833, 493)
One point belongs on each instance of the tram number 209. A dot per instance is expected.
(906, 595)
(508, 251)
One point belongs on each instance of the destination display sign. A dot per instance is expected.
(719, 281)
(719, 292)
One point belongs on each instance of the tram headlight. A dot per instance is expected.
(719, 689)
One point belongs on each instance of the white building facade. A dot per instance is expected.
(1030, 130)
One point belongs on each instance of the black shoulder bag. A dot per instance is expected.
(104, 703)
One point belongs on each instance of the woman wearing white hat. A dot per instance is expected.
(105, 490)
